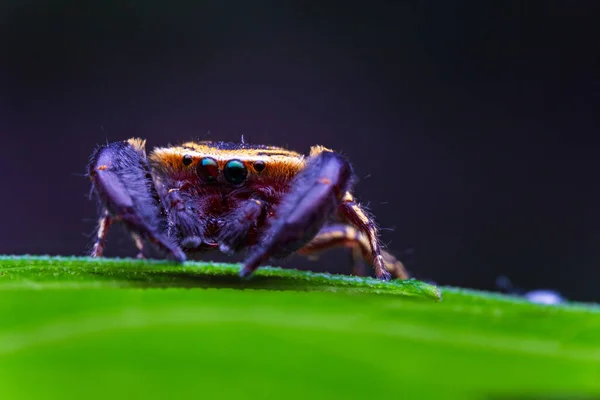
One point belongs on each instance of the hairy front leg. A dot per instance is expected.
(312, 200)
(123, 184)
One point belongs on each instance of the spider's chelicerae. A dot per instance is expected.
(268, 201)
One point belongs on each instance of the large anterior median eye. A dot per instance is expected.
(208, 169)
(235, 171)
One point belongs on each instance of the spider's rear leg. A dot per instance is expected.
(340, 235)
(353, 214)
(103, 225)
(105, 222)
(142, 248)
(122, 182)
(313, 198)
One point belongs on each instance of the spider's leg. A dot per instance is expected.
(353, 214)
(313, 198)
(122, 182)
(356, 260)
(103, 225)
(139, 243)
(340, 235)
(395, 266)
(234, 233)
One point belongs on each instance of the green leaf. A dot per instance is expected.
(85, 272)
(107, 328)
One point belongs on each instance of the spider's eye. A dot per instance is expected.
(187, 159)
(235, 171)
(208, 169)
(259, 165)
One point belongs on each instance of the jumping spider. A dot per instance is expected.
(233, 197)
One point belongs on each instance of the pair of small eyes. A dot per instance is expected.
(235, 171)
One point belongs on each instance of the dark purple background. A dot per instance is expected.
(472, 126)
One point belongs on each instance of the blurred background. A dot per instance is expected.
(472, 125)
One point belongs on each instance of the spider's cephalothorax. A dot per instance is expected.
(233, 197)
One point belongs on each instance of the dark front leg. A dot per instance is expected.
(122, 182)
(313, 198)
(239, 224)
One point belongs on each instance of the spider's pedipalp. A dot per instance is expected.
(185, 222)
(238, 224)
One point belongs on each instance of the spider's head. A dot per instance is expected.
(226, 164)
